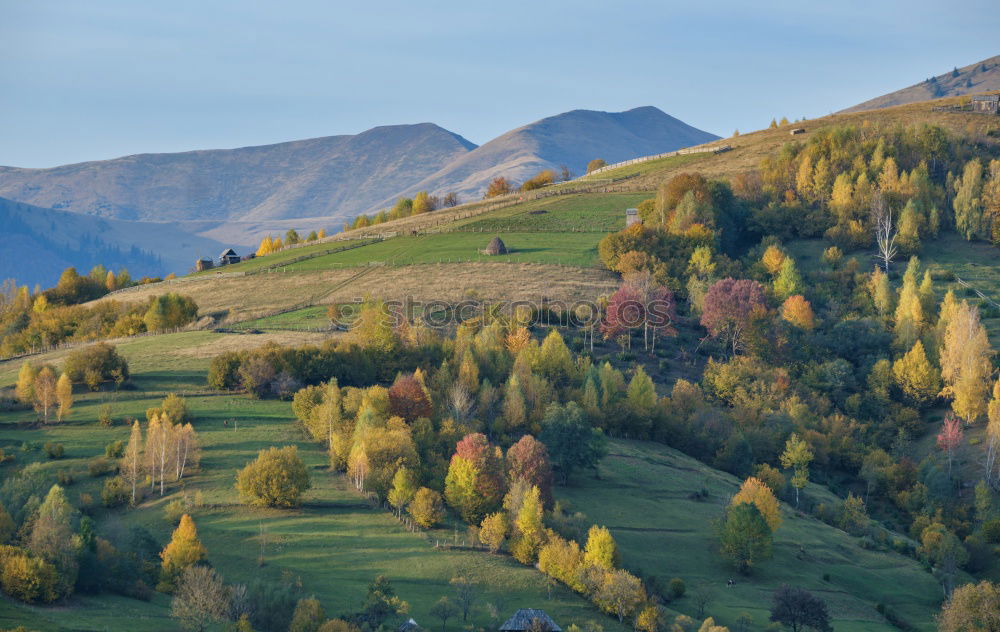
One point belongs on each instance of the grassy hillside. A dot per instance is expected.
(642, 496)
(335, 544)
(978, 77)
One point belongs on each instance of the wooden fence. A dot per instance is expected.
(718, 149)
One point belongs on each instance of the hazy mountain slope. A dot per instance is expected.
(978, 77)
(572, 139)
(39, 243)
(336, 176)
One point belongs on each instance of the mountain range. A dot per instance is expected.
(237, 195)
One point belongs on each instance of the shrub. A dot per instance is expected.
(54, 450)
(65, 478)
(99, 466)
(114, 450)
(177, 508)
(677, 588)
(116, 492)
(276, 478)
(101, 361)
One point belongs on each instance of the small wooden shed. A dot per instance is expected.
(409, 626)
(495, 247)
(632, 217)
(204, 264)
(531, 619)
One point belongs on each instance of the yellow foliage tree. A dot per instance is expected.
(184, 550)
(756, 492)
(772, 259)
(965, 362)
(601, 550)
(24, 390)
(916, 376)
(64, 395)
(797, 310)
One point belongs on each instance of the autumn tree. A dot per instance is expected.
(498, 186)
(950, 438)
(64, 396)
(596, 164)
(972, 608)
(992, 435)
(744, 536)
(798, 456)
(965, 362)
(44, 390)
(474, 485)
(727, 309)
(797, 311)
(620, 594)
(423, 203)
(276, 478)
(754, 491)
(788, 281)
(493, 531)
(408, 399)
(466, 594)
(916, 376)
(308, 615)
(52, 538)
(184, 550)
(24, 389)
(201, 599)
(601, 550)
(528, 461)
(772, 259)
(799, 609)
(131, 466)
(427, 508)
(530, 529)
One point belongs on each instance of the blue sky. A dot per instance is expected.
(99, 79)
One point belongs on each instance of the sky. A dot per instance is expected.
(100, 79)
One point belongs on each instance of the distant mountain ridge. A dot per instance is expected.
(982, 76)
(571, 139)
(39, 243)
(337, 177)
(166, 210)
(330, 176)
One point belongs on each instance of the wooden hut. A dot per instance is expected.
(203, 264)
(986, 104)
(409, 626)
(495, 247)
(531, 619)
(228, 256)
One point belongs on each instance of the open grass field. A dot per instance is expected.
(649, 166)
(307, 318)
(285, 256)
(236, 299)
(586, 212)
(573, 249)
(642, 497)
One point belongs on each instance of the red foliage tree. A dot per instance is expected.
(408, 399)
(635, 305)
(728, 307)
(528, 460)
(950, 437)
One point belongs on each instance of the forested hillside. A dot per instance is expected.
(771, 404)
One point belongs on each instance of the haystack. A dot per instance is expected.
(496, 247)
